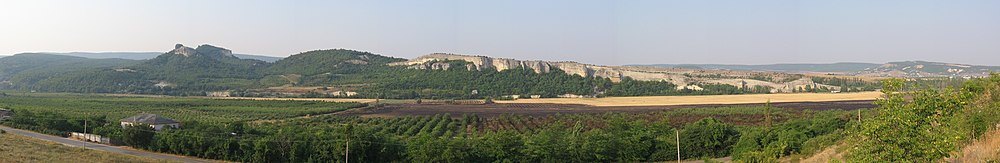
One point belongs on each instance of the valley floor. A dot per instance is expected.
(708, 99)
(618, 101)
(544, 109)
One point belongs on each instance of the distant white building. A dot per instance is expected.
(153, 120)
(573, 96)
(219, 94)
(512, 97)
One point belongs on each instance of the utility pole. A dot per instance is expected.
(347, 153)
(85, 134)
(859, 115)
(678, 136)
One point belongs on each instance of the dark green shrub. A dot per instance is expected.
(708, 137)
(820, 142)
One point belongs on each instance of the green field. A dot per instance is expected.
(178, 108)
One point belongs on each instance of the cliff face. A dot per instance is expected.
(499, 64)
(683, 78)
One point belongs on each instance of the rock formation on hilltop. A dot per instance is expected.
(203, 50)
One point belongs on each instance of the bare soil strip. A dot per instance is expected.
(298, 99)
(491, 110)
(619, 101)
(699, 100)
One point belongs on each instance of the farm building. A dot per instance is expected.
(153, 120)
(5, 114)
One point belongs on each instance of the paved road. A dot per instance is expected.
(102, 147)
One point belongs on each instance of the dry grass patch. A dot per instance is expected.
(711, 99)
(16, 148)
(985, 149)
(830, 154)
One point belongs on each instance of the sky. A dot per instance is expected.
(600, 32)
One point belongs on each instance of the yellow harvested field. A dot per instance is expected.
(298, 99)
(711, 99)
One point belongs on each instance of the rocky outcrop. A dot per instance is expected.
(180, 49)
(204, 50)
(775, 87)
(683, 78)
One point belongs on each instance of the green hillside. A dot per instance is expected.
(148, 55)
(337, 61)
(22, 62)
(44, 72)
(206, 61)
(207, 68)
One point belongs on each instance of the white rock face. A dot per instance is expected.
(183, 50)
(500, 64)
(210, 50)
(679, 77)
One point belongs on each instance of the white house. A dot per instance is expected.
(153, 120)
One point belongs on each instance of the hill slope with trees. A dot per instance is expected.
(207, 69)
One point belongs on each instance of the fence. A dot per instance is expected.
(91, 138)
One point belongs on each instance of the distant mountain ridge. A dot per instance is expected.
(147, 55)
(208, 69)
(795, 67)
(891, 69)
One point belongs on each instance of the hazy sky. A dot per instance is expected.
(601, 32)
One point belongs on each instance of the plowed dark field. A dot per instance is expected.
(492, 110)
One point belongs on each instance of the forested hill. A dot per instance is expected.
(337, 73)
(25, 70)
(336, 61)
(144, 55)
(206, 61)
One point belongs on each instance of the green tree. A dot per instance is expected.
(708, 137)
(899, 133)
(137, 135)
